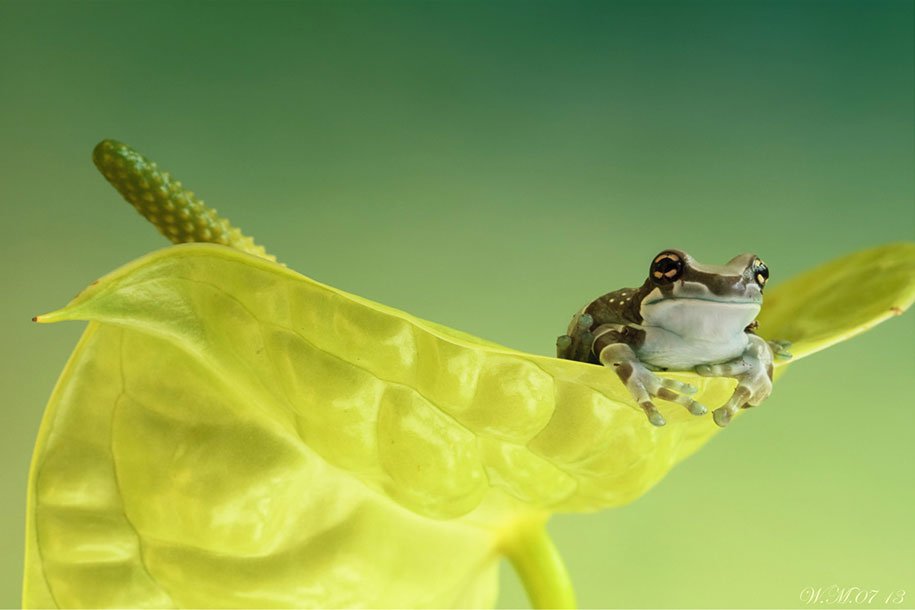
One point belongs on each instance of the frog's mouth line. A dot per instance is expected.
(715, 301)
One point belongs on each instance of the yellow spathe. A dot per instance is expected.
(231, 433)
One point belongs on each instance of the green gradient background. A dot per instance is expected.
(493, 166)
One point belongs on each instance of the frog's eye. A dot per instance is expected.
(760, 272)
(666, 267)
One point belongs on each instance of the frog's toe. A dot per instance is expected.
(640, 385)
(563, 343)
(582, 348)
(722, 416)
(585, 321)
(667, 389)
(780, 349)
(654, 416)
(678, 386)
(761, 394)
(692, 406)
(725, 369)
(697, 408)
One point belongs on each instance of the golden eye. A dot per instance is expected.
(761, 272)
(666, 267)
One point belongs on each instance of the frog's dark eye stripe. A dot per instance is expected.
(666, 267)
(760, 272)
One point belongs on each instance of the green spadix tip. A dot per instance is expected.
(176, 212)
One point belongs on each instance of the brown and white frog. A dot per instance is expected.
(686, 316)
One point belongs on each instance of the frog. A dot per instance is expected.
(686, 316)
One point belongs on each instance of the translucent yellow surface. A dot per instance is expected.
(231, 433)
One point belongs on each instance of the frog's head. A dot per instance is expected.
(690, 298)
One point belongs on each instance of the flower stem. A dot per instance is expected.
(539, 566)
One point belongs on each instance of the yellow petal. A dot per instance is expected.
(231, 433)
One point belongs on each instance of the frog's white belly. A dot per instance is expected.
(683, 333)
(668, 350)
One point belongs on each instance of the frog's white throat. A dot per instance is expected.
(682, 333)
(700, 319)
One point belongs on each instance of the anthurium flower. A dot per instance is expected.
(230, 433)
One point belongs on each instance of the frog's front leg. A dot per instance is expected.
(753, 372)
(613, 350)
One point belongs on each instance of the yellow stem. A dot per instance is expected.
(540, 567)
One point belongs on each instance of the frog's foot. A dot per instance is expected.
(780, 349)
(753, 372)
(577, 346)
(585, 321)
(563, 344)
(569, 348)
(645, 385)
(739, 400)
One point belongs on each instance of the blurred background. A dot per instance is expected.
(493, 166)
